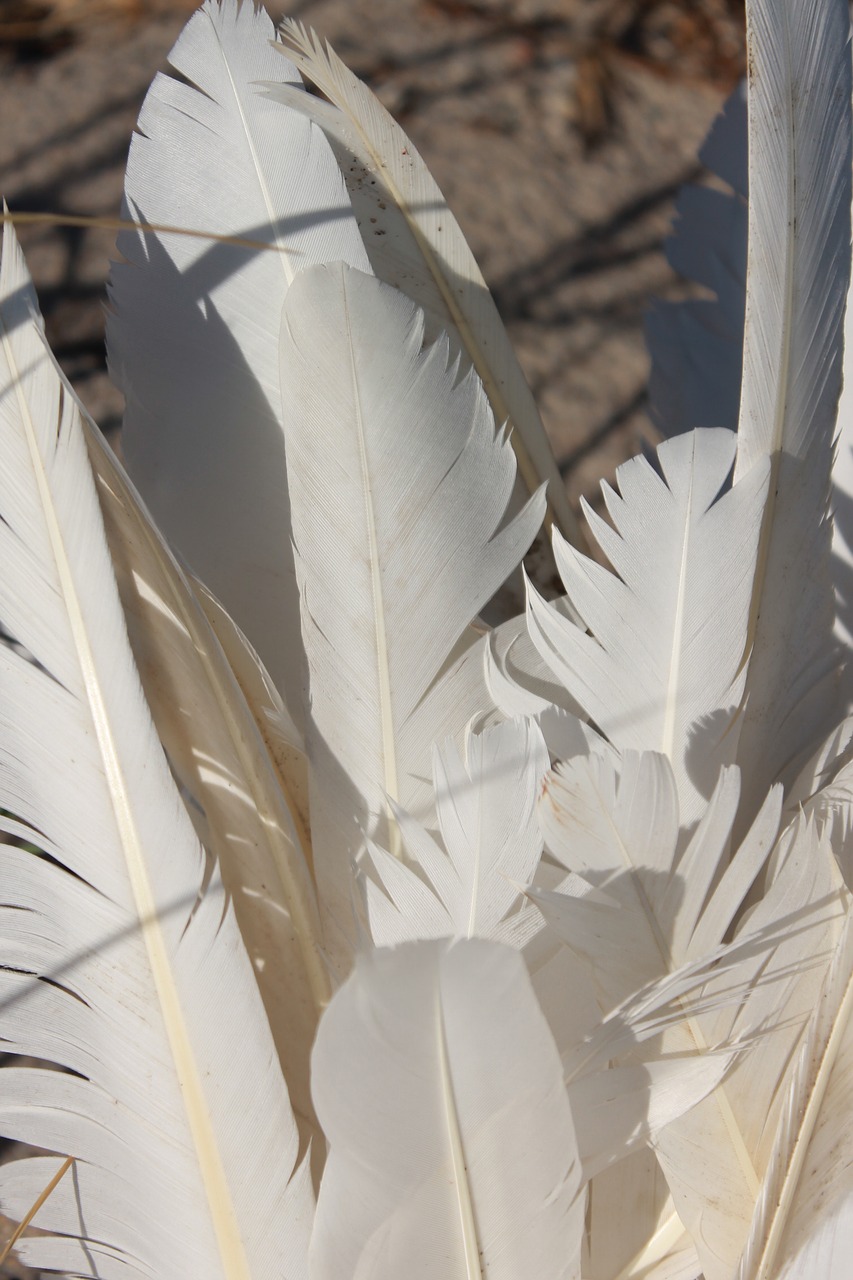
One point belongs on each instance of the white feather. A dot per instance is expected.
(803, 1225)
(414, 242)
(452, 1150)
(799, 255)
(194, 324)
(799, 266)
(399, 524)
(486, 810)
(247, 810)
(663, 667)
(621, 833)
(119, 951)
(455, 1147)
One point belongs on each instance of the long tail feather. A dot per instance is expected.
(193, 331)
(250, 819)
(119, 952)
(400, 535)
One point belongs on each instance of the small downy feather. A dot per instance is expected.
(486, 810)
(194, 323)
(414, 242)
(119, 950)
(401, 536)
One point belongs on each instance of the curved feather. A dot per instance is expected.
(194, 325)
(400, 529)
(119, 951)
(414, 242)
(246, 811)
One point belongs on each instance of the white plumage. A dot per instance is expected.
(564, 908)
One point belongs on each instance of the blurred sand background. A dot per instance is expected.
(559, 131)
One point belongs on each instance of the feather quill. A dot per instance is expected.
(194, 326)
(118, 950)
(400, 530)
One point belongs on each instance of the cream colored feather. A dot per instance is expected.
(247, 810)
(489, 1109)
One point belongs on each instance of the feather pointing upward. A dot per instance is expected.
(418, 247)
(799, 271)
(193, 333)
(179, 1170)
(400, 529)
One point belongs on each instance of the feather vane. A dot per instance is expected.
(400, 535)
(414, 242)
(194, 325)
(662, 669)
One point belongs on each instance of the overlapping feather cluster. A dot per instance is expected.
(375, 942)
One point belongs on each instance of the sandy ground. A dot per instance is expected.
(559, 153)
(559, 130)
